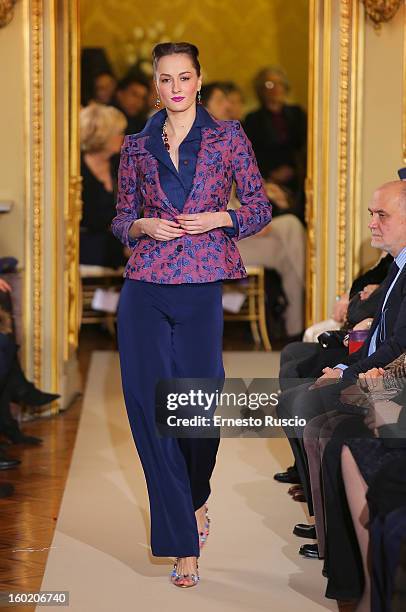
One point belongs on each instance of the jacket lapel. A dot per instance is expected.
(210, 148)
(152, 150)
(392, 272)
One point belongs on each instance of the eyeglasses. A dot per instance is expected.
(271, 84)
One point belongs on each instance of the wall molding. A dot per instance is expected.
(35, 195)
(381, 11)
(6, 12)
(334, 153)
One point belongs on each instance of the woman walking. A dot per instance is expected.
(179, 170)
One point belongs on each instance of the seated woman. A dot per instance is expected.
(375, 482)
(376, 402)
(101, 134)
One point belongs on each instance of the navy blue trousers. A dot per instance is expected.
(170, 331)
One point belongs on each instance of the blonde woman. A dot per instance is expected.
(102, 131)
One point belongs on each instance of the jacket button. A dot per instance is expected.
(179, 247)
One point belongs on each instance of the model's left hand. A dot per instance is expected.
(201, 222)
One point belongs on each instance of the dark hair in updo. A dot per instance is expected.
(170, 48)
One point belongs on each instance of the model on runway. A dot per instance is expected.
(179, 171)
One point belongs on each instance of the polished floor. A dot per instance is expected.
(100, 553)
(29, 516)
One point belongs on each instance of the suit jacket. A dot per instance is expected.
(225, 155)
(395, 341)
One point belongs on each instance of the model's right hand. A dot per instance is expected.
(159, 229)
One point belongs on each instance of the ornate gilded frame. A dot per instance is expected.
(321, 156)
(33, 27)
(6, 12)
(51, 315)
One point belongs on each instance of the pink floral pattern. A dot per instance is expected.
(225, 155)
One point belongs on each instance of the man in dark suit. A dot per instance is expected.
(387, 337)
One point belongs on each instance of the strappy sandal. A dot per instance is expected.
(175, 578)
(203, 535)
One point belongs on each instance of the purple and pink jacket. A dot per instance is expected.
(225, 155)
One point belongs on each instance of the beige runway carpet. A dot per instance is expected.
(100, 551)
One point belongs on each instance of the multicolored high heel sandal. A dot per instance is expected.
(203, 535)
(192, 578)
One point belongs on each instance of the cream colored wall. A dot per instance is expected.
(235, 37)
(12, 152)
(382, 114)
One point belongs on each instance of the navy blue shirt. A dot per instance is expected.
(177, 184)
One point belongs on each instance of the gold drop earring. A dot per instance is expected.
(199, 97)
(158, 102)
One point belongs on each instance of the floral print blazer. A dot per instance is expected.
(225, 155)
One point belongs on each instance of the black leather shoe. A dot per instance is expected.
(6, 489)
(305, 531)
(290, 476)
(6, 463)
(34, 397)
(18, 437)
(310, 551)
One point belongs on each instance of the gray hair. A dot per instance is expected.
(261, 75)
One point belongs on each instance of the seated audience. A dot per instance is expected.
(277, 131)
(104, 88)
(235, 100)
(101, 135)
(215, 100)
(307, 359)
(373, 471)
(280, 245)
(131, 99)
(14, 386)
(360, 291)
(360, 450)
(385, 342)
